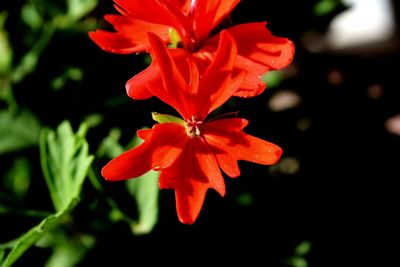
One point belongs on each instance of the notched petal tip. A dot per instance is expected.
(188, 206)
(113, 42)
(290, 51)
(278, 154)
(186, 219)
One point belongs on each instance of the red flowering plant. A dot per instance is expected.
(190, 152)
(187, 25)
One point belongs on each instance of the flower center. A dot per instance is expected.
(193, 126)
(192, 43)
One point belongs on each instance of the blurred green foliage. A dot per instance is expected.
(326, 7)
(15, 248)
(17, 180)
(67, 251)
(299, 256)
(143, 189)
(18, 130)
(65, 162)
(5, 47)
(65, 159)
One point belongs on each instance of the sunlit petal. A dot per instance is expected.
(240, 145)
(130, 35)
(190, 176)
(159, 151)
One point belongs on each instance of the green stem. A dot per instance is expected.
(27, 213)
(30, 60)
(7, 94)
(94, 180)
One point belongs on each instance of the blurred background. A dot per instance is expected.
(335, 111)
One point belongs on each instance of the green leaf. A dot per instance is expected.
(164, 118)
(325, 7)
(80, 8)
(297, 262)
(31, 16)
(65, 162)
(67, 250)
(147, 60)
(144, 190)
(71, 73)
(303, 248)
(27, 65)
(298, 259)
(93, 120)
(18, 246)
(23, 212)
(273, 78)
(5, 47)
(110, 146)
(30, 60)
(18, 130)
(18, 178)
(245, 199)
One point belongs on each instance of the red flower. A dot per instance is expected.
(190, 152)
(258, 50)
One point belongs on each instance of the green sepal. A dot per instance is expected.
(174, 37)
(165, 118)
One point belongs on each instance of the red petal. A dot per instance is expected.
(144, 134)
(229, 138)
(191, 175)
(264, 52)
(227, 163)
(185, 4)
(223, 9)
(260, 53)
(136, 87)
(228, 124)
(164, 145)
(252, 84)
(149, 10)
(208, 14)
(130, 164)
(160, 12)
(209, 166)
(178, 87)
(216, 86)
(261, 46)
(175, 88)
(130, 35)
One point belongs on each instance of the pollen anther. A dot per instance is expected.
(193, 126)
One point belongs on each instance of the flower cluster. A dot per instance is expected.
(195, 70)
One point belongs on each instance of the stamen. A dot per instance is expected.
(193, 126)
